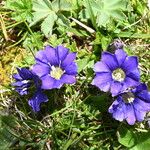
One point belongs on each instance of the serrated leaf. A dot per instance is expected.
(41, 5)
(48, 23)
(109, 10)
(21, 9)
(63, 21)
(104, 11)
(41, 11)
(64, 5)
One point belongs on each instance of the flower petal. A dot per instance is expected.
(101, 67)
(118, 109)
(47, 82)
(41, 57)
(141, 87)
(22, 90)
(71, 69)
(50, 83)
(36, 100)
(17, 76)
(130, 114)
(110, 60)
(116, 88)
(41, 69)
(68, 60)
(129, 82)
(144, 95)
(104, 86)
(135, 74)
(139, 115)
(130, 64)
(141, 105)
(140, 108)
(70, 79)
(25, 73)
(51, 55)
(102, 81)
(62, 52)
(121, 56)
(18, 83)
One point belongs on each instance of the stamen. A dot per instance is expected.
(118, 75)
(128, 97)
(56, 72)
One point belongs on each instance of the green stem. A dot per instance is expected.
(70, 141)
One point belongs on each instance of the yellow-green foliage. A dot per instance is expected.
(7, 63)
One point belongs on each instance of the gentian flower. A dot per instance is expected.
(25, 79)
(116, 72)
(55, 66)
(131, 105)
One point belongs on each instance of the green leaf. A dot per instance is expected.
(6, 138)
(133, 35)
(142, 141)
(90, 12)
(132, 139)
(104, 11)
(59, 5)
(85, 63)
(110, 9)
(48, 23)
(21, 9)
(47, 12)
(126, 136)
(41, 11)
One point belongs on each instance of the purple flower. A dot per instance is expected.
(116, 72)
(55, 66)
(132, 105)
(24, 80)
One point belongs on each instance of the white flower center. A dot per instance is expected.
(56, 72)
(118, 75)
(128, 97)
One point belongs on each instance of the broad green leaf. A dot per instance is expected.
(109, 10)
(47, 13)
(59, 5)
(42, 5)
(126, 136)
(62, 20)
(21, 9)
(47, 24)
(142, 141)
(105, 10)
(41, 10)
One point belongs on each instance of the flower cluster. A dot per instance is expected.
(54, 67)
(119, 74)
(116, 73)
